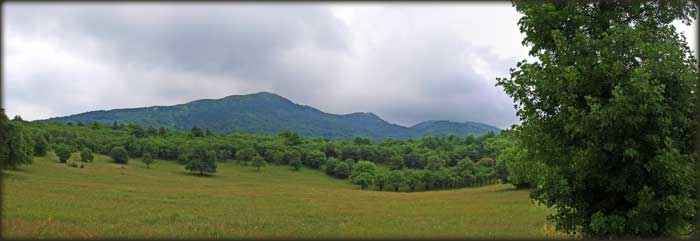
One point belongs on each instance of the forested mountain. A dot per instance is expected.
(268, 113)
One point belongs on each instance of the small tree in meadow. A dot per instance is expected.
(295, 164)
(258, 162)
(86, 155)
(119, 155)
(63, 153)
(147, 159)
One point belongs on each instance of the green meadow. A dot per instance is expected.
(105, 200)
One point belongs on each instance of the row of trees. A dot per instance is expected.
(441, 160)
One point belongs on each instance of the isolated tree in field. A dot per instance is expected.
(295, 164)
(608, 109)
(258, 162)
(41, 146)
(395, 179)
(201, 161)
(147, 159)
(16, 145)
(86, 155)
(63, 153)
(119, 155)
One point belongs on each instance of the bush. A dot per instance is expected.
(86, 155)
(330, 166)
(315, 159)
(63, 153)
(295, 164)
(341, 170)
(119, 155)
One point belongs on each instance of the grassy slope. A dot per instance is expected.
(48, 199)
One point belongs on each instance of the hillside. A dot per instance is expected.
(268, 113)
(445, 128)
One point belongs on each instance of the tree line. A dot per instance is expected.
(404, 165)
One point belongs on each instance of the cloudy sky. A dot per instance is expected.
(405, 62)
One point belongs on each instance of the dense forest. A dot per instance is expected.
(423, 164)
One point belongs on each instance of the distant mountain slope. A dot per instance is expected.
(268, 113)
(445, 128)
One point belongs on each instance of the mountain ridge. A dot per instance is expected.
(269, 113)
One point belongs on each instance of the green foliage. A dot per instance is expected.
(119, 155)
(315, 159)
(147, 159)
(380, 179)
(341, 170)
(86, 155)
(607, 109)
(395, 179)
(258, 162)
(246, 154)
(63, 153)
(17, 144)
(41, 146)
(412, 178)
(196, 132)
(396, 162)
(201, 161)
(363, 173)
(295, 164)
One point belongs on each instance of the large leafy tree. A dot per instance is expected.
(607, 108)
(16, 144)
(201, 160)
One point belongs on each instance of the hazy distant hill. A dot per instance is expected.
(268, 113)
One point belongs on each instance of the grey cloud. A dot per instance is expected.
(149, 54)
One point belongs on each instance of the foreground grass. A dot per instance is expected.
(53, 200)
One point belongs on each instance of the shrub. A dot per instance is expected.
(341, 170)
(315, 159)
(63, 153)
(119, 155)
(86, 155)
(295, 164)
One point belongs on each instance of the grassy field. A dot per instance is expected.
(53, 200)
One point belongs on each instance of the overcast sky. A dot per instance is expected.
(404, 62)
